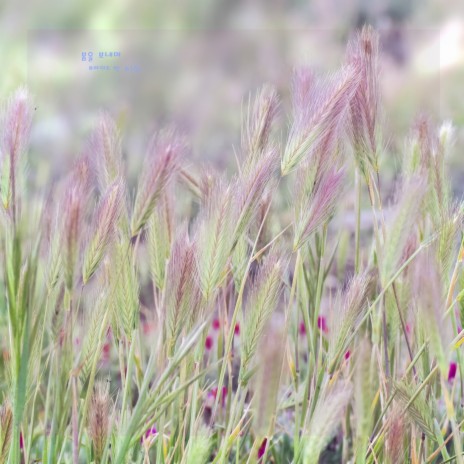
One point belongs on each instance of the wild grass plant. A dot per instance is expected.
(198, 318)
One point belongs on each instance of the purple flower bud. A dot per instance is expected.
(262, 448)
(452, 371)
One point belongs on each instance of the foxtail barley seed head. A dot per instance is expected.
(262, 302)
(239, 260)
(325, 420)
(99, 418)
(91, 343)
(316, 201)
(349, 307)
(251, 187)
(161, 228)
(420, 145)
(125, 290)
(257, 125)
(51, 222)
(427, 154)
(418, 409)
(162, 162)
(267, 385)
(405, 219)
(73, 207)
(396, 434)
(363, 53)
(214, 237)
(6, 429)
(105, 145)
(104, 228)
(16, 123)
(429, 295)
(181, 296)
(320, 108)
(451, 227)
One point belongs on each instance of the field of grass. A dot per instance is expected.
(297, 310)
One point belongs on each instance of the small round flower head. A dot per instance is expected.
(151, 432)
(214, 392)
(209, 342)
(237, 329)
(262, 448)
(452, 371)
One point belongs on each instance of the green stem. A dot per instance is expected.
(320, 276)
(127, 386)
(237, 308)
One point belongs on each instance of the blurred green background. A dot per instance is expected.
(199, 61)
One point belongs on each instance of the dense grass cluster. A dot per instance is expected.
(201, 317)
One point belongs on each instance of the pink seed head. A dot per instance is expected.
(16, 124)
